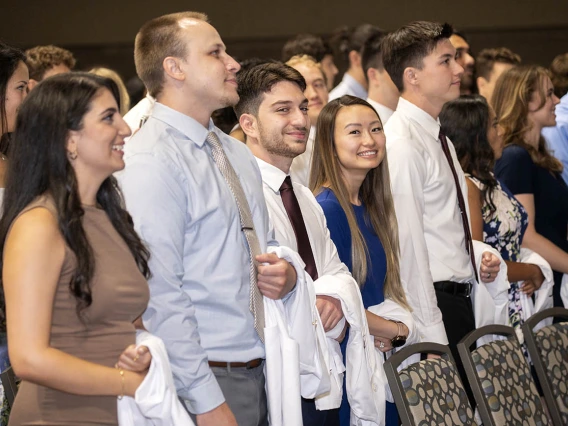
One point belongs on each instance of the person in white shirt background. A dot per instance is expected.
(273, 112)
(349, 42)
(316, 47)
(383, 94)
(433, 233)
(317, 96)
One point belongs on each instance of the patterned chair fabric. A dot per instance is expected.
(435, 394)
(508, 385)
(552, 343)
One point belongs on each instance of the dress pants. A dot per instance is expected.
(458, 318)
(244, 393)
(312, 417)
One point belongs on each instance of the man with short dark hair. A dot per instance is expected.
(317, 48)
(489, 65)
(383, 94)
(196, 200)
(464, 58)
(276, 137)
(349, 41)
(45, 61)
(429, 187)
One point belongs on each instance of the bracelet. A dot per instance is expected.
(121, 372)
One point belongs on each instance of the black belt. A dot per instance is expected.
(248, 365)
(451, 287)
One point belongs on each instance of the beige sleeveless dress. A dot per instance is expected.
(120, 295)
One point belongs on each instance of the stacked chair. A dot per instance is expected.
(428, 392)
(548, 349)
(501, 380)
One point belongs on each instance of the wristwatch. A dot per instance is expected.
(399, 340)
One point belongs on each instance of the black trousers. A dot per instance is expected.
(457, 314)
(312, 417)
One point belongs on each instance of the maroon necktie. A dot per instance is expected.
(295, 214)
(461, 203)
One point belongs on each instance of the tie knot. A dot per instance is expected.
(287, 184)
(213, 140)
(442, 136)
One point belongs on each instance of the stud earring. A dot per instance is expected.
(72, 155)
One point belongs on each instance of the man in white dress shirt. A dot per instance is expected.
(273, 112)
(186, 184)
(426, 188)
(317, 95)
(383, 94)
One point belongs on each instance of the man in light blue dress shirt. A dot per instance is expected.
(185, 212)
(557, 136)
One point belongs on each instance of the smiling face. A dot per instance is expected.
(438, 81)
(282, 125)
(15, 94)
(543, 116)
(359, 141)
(100, 141)
(210, 73)
(316, 90)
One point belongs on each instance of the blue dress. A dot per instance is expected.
(372, 291)
(516, 169)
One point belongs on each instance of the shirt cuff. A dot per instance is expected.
(203, 398)
(434, 333)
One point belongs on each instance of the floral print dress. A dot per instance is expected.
(503, 229)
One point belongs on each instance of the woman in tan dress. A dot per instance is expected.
(73, 269)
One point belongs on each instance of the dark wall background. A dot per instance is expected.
(102, 32)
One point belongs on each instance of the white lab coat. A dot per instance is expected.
(543, 296)
(155, 402)
(365, 378)
(391, 310)
(294, 360)
(564, 290)
(490, 300)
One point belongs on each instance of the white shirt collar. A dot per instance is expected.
(183, 123)
(419, 116)
(271, 175)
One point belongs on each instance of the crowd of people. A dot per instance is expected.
(279, 236)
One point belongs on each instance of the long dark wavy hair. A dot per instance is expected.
(466, 121)
(39, 166)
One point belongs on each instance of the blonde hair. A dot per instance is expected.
(375, 195)
(308, 61)
(123, 93)
(513, 92)
(156, 40)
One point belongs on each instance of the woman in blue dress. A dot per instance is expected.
(497, 217)
(350, 179)
(524, 101)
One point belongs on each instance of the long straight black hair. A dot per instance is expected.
(466, 121)
(10, 58)
(39, 166)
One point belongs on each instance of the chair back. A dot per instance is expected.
(548, 349)
(428, 392)
(501, 379)
(9, 384)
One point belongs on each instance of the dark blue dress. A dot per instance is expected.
(521, 175)
(372, 292)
